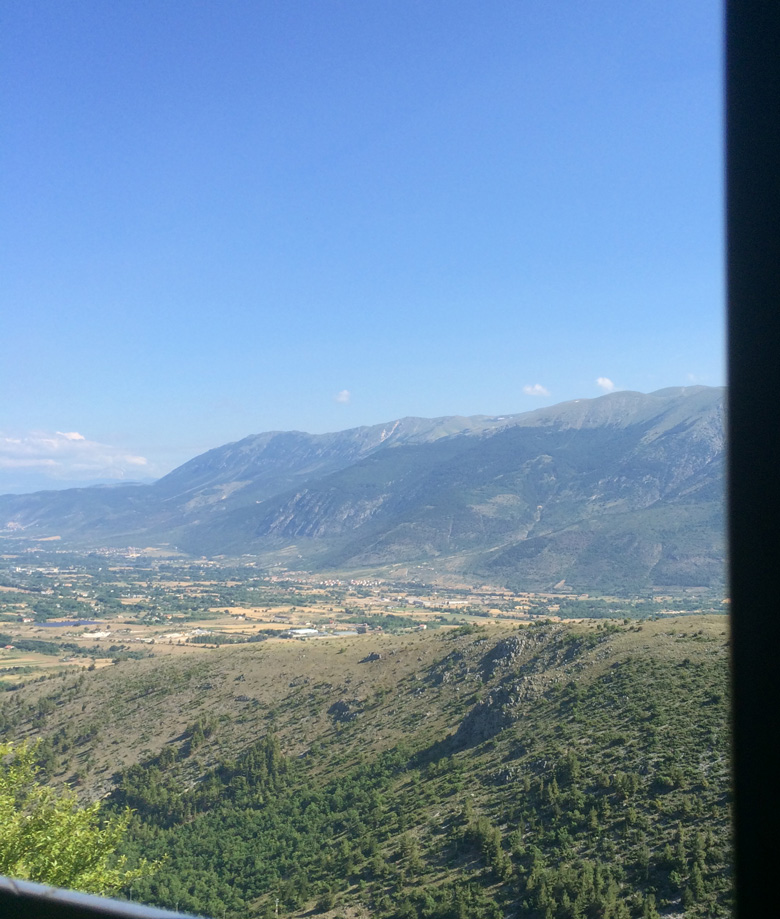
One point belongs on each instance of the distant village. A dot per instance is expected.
(60, 609)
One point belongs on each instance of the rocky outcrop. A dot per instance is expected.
(345, 710)
(498, 711)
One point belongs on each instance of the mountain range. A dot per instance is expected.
(619, 493)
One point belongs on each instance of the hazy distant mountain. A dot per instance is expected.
(21, 482)
(617, 492)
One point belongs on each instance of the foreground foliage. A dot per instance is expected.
(51, 839)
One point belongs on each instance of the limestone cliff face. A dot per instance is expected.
(318, 515)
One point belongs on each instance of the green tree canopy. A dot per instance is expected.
(49, 838)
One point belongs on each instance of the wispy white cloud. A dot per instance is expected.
(606, 384)
(536, 389)
(67, 455)
(344, 396)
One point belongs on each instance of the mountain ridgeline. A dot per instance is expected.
(619, 493)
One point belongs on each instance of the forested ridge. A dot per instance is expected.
(553, 771)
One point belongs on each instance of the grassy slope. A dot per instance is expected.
(553, 770)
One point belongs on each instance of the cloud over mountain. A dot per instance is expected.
(67, 455)
(536, 389)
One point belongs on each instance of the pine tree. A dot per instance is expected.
(697, 885)
(649, 910)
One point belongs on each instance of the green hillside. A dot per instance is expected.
(551, 770)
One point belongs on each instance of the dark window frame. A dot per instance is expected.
(753, 279)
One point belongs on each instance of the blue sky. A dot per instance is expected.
(222, 218)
